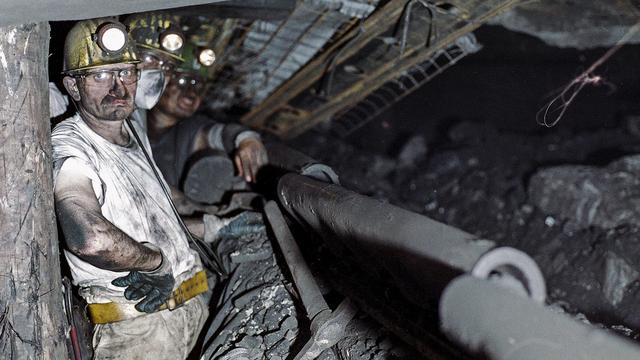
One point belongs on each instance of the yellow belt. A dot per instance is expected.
(114, 312)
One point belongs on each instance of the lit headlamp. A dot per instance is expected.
(111, 37)
(171, 40)
(206, 57)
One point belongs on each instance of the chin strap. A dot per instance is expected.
(209, 257)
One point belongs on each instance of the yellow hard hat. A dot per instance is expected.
(97, 42)
(197, 61)
(157, 31)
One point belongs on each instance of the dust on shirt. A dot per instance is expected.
(130, 197)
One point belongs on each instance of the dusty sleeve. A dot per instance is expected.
(227, 137)
(78, 167)
(73, 153)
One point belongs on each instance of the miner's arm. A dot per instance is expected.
(249, 154)
(90, 236)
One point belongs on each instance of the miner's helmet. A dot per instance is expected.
(97, 42)
(157, 31)
(198, 61)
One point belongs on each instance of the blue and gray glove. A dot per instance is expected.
(217, 228)
(154, 286)
(248, 222)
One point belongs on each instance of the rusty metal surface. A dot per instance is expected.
(378, 52)
(268, 53)
(353, 117)
(337, 52)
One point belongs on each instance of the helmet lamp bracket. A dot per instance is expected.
(111, 37)
(171, 40)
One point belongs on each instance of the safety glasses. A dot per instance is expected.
(186, 82)
(155, 62)
(106, 78)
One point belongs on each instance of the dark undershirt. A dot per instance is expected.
(172, 149)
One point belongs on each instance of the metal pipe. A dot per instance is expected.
(422, 255)
(287, 158)
(291, 160)
(494, 322)
(317, 309)
(327, 327)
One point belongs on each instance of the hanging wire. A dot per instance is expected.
(432, 8)
(550, 114)
(332, 64)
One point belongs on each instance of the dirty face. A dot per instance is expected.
(106, 92)
(183, 95)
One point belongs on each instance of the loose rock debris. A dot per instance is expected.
(470, 182)
(256, 316)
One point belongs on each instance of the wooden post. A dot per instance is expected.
(31, 310)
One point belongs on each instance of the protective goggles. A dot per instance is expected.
(155, 62)
(186, 82)
(106, 78)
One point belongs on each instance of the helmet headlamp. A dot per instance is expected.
(171, 40)
(112, 37)
(206, 57)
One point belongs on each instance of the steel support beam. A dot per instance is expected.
(316, 307)
(271, 10)
(379, 61)
(415, 53)
(376, 24)
(14, 12)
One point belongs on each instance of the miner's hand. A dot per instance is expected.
(155, 287)
(250, 156)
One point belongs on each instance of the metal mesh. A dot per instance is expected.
(392, 91)
(268, 52)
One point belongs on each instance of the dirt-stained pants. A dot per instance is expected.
(161, 335)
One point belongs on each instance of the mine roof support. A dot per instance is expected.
(31, 309)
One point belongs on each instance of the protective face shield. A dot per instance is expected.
(150, 88)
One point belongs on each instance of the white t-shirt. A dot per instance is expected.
(130, 197)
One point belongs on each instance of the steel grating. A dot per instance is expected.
(394, 90)
(271, 52)
(386, 45)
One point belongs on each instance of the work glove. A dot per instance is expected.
(154, 287)
(217, 228)
(248, 222)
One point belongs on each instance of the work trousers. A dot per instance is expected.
(161, 335)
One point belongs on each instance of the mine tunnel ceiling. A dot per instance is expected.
(285, 66)
(577, 24)
(347, 62)
(14, 12)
